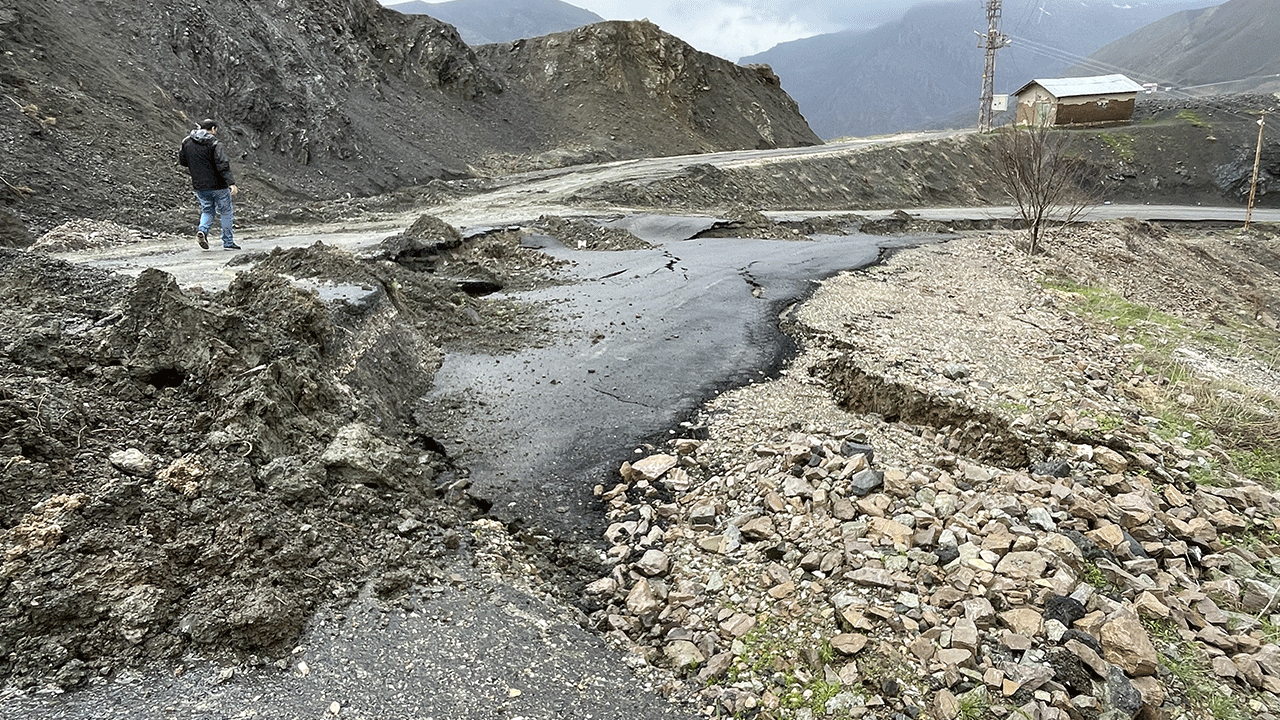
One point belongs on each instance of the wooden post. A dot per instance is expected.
(1257, 162)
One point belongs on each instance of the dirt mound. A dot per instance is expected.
(189, 470)
(86, 235)
(586, 235)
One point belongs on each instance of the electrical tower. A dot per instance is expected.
(991, 43)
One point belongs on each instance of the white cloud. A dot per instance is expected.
(728, 29)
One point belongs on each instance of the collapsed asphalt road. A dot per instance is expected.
(644, 337)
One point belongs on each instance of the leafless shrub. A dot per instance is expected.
(1042, 174)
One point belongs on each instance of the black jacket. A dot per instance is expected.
(202, 154)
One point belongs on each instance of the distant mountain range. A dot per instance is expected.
(1231, 48)
(481, 22)
(925, 70)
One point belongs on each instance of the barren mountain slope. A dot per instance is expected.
(631, 87)
(316, 99)
(493, 21)
(1230, 48)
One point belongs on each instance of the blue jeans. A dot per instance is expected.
(217, 201)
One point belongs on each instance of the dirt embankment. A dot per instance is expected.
(1198, 152)
(190, 470)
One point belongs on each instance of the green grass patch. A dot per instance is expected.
(975, 704)
(1193, 118)
(1203, 411)
(1121, 145)
(771, 656)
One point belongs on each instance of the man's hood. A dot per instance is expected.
(202, 136)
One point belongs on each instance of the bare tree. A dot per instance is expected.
(1043, 176)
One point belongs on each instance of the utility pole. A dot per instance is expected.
(992, 42)
(1257, 163)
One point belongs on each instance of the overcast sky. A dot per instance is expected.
(735, 28)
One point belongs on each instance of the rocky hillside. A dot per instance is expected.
(1228, 48)
(325, 98)
(481, 22)
(925, 70)
(629, 87)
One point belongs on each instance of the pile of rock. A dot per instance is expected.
(1055, 595)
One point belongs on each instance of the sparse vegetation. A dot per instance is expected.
(1188, 664)
(1206, 411)
(975, 704)
(1121, 145)
(774, 655)
(1192, 117)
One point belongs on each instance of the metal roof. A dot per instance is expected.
(1075, 87)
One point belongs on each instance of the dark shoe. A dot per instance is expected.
(232, 246)
(203, 239)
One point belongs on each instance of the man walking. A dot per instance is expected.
(211, 178)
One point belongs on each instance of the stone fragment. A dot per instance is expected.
(650, 468)
(653, 562)
(717, 667)
(738, 625)
(980, 611)
(133, 462)
(603, 587)
(1120, 695)
(1088, 657)
(1040, 517)
(1064, 609)
(897, 533)
(964, 634)
(1022, 567)
(1153, 695)
(1268, 657)
(945, 705)
(1023, 621)
(1109, 537)
(1027, 677)
(703, 517)
(1110, 460)
(872, 577)
(796, 487)
(683, 655)
(783, 590)
(1248, 668)
(1148, 605)
(1015, 642)
(955, 656)
(713, 544)
(642, 601)
(923, 648)
(756, 529)
(865, 483)
(1126, 643)
(849, 643)
(1223, 667)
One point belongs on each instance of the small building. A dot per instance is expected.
(1077, 101)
